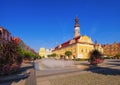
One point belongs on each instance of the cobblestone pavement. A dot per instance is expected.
(107, 73)
(87, 78)
(26, 76)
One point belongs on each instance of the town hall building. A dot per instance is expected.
(79, 45)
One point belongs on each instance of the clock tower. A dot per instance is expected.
(76, 28)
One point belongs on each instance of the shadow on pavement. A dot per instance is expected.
(104, 70)
(115, 64)
(118, 60)
(16, 77)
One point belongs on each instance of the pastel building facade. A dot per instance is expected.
(111, 49)
(4, 35)
(42, 52)
(79, 45)
(45, 52)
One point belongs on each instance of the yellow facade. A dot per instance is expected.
(79, 49)
(42, 52)
(62, 51)
(80, 46)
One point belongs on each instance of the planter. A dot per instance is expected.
(9, 69)
(96, 62)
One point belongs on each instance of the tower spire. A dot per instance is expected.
(77, 22)
(76, 27)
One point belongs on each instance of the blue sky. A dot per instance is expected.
(47, 23)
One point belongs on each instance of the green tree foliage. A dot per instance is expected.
(117, 56)
(27, 55)
(68, 53)
(52, 55)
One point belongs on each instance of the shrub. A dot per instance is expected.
(117, 56)
(52, 55)
(95, 57)
(6, 69)
(9, 53)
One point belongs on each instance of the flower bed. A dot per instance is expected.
(10, 59)
(9, 69)
(95, 57)
(96, 61)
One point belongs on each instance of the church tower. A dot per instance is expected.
(76, 28)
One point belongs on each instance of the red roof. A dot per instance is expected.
(65, 44)
(68, 42)
(16, 40)
(76, 38)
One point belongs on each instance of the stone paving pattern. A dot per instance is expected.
(107, 73)
(26, 76)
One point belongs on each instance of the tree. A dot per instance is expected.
(117, 56)
(27, 55)
(53, 55)
(68, 53)
(10, 59)
(96, 57)
(9, 52)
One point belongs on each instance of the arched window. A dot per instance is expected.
(82, 50)
(86, 50)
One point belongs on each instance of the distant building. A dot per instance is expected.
(49, 52)
(4, 35)
(42, 52)
(79, 45)
(16, 40)
(45, 52)
(111, 49)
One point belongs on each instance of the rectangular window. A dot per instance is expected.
(82, 50)
(86, 50)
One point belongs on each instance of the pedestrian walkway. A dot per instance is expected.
(26, 76)
(43, 76)
(112, 67)
(31, 80)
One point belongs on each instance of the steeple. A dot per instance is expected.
(76, 22)
(76, 28)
